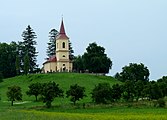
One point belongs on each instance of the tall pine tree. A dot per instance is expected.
(71, 51)
(52, 43)
(28, 47)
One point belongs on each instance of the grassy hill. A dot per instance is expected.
(63, 79)
(29, 110)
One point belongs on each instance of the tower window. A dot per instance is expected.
(63, 45)
(64, 56)
(63, 64)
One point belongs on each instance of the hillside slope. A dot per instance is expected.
(63, 79)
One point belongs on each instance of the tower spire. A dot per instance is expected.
(62, 33)
(62, 30)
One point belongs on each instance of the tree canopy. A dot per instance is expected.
(28, 47)
(134, 72)
(7, 59)
(76, 93)
(34, 89)
(50, 91)
(51, 49)
(14, 93)
(95, 59)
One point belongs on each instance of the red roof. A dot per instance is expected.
(62, 33)
(51, 59)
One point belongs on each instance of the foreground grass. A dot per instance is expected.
(88, 114)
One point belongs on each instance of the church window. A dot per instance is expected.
(64, 56)
(57, 45)
(63, 45)
(63, 64)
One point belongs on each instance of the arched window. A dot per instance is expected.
(63, 45)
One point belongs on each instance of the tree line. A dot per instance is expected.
(102, 93)
(21, 57)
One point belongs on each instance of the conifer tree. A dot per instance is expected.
(52, 43)
(28, 47)
(71, 51)
(17, 64)
(26, 64)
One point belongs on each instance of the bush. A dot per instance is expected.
(161, 102)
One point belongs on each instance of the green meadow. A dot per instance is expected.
(63, 109)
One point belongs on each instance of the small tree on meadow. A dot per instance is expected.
(102, 93)
(76, 93)
(50, 91)
(34, 89)
(14, 93)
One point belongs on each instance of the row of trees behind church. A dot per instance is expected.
(21, 57)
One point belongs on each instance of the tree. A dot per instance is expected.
(71, 51)
(7, 59)
(14, 93)
(102, 93)
(34, 89)
(17, 64)
(50, 91)
(152, 91)
(51, 49)
(139, 87)
(76, 93)
(95, 59)
(78, 64)
(1, 77)
(116, 92)
(26, 64)
(162, 83)
(134, 72)
(28, 47)
(155, 92)
(128, 90)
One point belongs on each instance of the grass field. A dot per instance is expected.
(63, 109)
(87, 114)
(63, 79)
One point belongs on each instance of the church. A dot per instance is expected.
(59, 62)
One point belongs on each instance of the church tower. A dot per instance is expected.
(62, 51)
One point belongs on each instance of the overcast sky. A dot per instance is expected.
(131, 31)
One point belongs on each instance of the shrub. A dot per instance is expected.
(161, 102)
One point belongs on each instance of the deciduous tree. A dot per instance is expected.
(14, 93)
(50, 91)
(102, 93)
(76, 93)
(134, 72)
(34, 89)
(95, 59)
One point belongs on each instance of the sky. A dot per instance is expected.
(131, 31)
